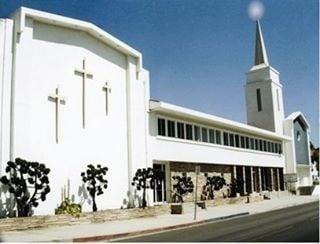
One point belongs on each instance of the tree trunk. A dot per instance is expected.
(144, 203)
(94, 205)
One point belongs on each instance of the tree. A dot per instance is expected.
(181, 187)
(95, 182)
(146, 178)
(214, 183)
(28, 182)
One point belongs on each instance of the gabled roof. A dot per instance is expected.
(300, 115)
(170, 109)
(75, 24)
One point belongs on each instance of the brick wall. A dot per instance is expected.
(225, 171)
(13, 224)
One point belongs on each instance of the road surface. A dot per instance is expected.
(293, 224)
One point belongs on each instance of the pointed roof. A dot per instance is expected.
(260, 56)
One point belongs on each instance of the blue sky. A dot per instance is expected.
(198, 51)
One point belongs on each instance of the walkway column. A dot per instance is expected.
(260, 179)
(252, 183)
(272, 180)
(278, 178)
(244, 180)
(234, 172)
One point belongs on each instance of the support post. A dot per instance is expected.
(244, 180)
(272, 179)
(260, 179)
(252, 183)
(197, 171)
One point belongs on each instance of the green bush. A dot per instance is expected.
(67, 207)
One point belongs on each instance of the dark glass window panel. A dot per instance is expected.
(272, 147)
(231, 140)
(161, 127)
(276, 147)
(242, 142)
(247, 142)
(225, 139)
(204, 132)
(259, 103)
(264, 146)
(180, 127)
(269, 146)
(211, 135)
(252, 143)
(256, 144)
(171, 128)
(260, 145)
(280, 149)
(189, 132)
(237, 141)
(218, 136)
(196, 133)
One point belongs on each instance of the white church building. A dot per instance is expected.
(72, 94)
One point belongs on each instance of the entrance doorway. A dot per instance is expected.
(159, 192)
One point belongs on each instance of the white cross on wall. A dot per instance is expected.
(57, 99)
(106, 89)
(85, 74)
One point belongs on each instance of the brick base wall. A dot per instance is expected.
(225, 171)
(14, 224)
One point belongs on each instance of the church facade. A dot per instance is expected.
(71, 94)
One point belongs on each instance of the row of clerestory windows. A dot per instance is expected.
(195, 132)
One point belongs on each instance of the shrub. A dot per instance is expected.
(181, 187)
(67, 207)
(28, 182)
(95, 182)
(213, 183)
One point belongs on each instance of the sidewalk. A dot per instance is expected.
(117, 229)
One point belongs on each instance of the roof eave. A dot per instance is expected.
(76, 24)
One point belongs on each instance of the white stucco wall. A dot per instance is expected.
(271, 116)
(46, 57)
(6, 29)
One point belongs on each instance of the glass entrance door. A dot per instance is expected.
(159, 192)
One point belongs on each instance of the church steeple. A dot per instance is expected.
(260, 56)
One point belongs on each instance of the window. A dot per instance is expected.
(196, 133)
(298, 136)
(280, 149)
(180, 127)
(161, 127)
(225, 139)
(272, 147)
(260, 145)
(218, 137)
(247, 143)
(231, 139)
(211, 135)
(269, 147)
(171, 128)
(242, 142)
(204, 132)
(252, 143)
(259, 105)
(237, 140)
(264, 146)
(276, 147)
(256, 144)
(189, 133)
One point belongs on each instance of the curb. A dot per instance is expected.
(148, 231)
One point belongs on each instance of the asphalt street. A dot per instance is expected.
(292, 224)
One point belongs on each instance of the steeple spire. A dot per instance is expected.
(260, 56)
